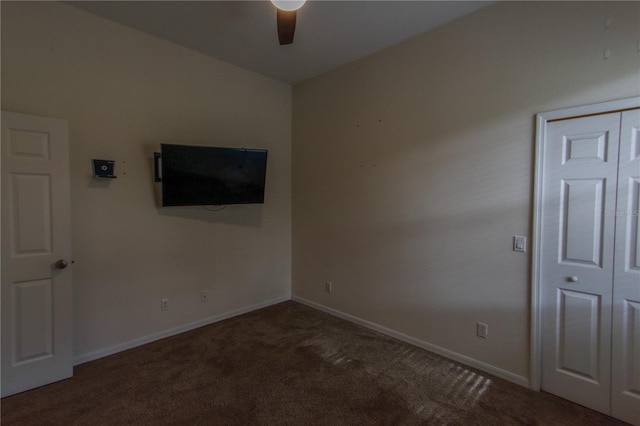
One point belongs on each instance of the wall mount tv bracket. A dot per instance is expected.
(103, 169)
(157, 167)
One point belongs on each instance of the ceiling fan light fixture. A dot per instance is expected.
(288, 5)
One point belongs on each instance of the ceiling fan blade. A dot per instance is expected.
(286, 26)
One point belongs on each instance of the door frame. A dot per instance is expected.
(542, 119)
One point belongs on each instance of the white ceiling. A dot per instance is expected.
(328, 33)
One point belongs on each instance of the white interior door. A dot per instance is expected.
(580, 167)
(625, 397)
(36, 288)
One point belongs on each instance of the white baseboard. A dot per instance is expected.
(463, 359)
(471, 362)
(91, 356)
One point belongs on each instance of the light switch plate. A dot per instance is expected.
(519, 243)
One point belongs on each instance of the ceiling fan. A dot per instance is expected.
(286, 19)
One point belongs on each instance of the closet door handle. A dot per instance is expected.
(572, 279)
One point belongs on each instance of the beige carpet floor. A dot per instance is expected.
(286, 364)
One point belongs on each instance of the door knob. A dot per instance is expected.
(60, 264)
(572, 279)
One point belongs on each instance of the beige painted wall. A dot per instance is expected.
(413, 169)
(123, 93)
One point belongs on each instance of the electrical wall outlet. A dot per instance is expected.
(482, 330)
(204, 296)
(164, 305)
(328, 286)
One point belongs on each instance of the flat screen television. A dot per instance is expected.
(204, 175)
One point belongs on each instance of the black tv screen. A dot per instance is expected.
(203, 175)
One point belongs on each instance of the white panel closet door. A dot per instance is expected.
(36, 288)
(577, 242)
(625, 397)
